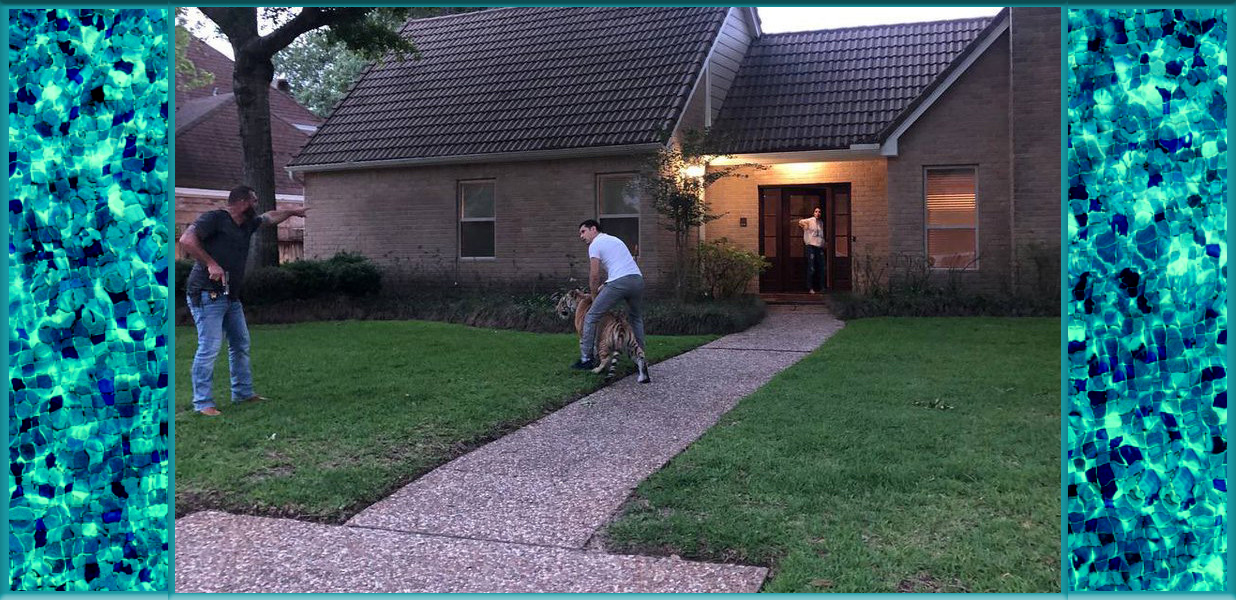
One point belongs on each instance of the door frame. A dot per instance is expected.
(828, 208)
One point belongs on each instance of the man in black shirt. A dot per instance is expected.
(219, 241)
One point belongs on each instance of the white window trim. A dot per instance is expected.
(927, 227)
(639, 229)
(459, 208)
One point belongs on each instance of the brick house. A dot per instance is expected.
(932, 140)
(208, 147)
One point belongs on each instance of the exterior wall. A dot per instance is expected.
(1035, 93)
(731, 48)
(405, 219)
(738, 197)
(967, 126)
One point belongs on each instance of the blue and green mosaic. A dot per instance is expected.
(1147, 317)
(88, 202)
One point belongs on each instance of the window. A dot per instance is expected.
(618, 208)
(476, 219)
(952, 221)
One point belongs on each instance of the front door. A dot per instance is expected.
(781, 239)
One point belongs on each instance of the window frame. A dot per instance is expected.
(460, 219)
(928, 227)
(639, 224)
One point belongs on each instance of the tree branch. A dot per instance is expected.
(310, 18)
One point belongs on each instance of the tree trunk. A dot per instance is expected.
(251, 83)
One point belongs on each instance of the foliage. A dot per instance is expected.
(320, 67)
(676, 179)
(906, 285)
(182, 276)
(359, 409)
(514, 309)
(188, 76)
(724, 270)
(344, 274)
(834, 478)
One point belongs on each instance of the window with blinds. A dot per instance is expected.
(952, 217)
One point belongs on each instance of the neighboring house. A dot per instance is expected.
(931, 140)
(208, 147)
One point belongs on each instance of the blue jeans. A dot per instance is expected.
(815, 264)
(215, 319)
(629, 288)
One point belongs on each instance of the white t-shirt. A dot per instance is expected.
(813, 231)
(614, 256)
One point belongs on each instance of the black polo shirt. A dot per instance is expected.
(228, 244)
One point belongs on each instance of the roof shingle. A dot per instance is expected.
(523, 79)
(829, 89)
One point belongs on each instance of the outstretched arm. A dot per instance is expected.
(275, 217)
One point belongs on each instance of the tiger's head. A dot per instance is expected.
(568, 302)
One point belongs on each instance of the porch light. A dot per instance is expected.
(693, 171)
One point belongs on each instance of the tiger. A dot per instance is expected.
(614, 334)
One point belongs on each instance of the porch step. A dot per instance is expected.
(795, 299)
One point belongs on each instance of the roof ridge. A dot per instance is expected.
(875, 26)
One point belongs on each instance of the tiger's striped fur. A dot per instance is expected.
(614, 334)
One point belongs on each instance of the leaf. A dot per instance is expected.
(822, 583)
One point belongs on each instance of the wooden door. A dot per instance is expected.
(781, 239)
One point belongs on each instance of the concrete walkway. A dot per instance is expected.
(517, 514)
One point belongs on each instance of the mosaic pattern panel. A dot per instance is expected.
(1147, 319)
(88, 364)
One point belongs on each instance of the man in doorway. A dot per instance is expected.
(624, 281)
(813, 239)
(219, 241)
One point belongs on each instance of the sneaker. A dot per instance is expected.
(210, 412)
(584, 365)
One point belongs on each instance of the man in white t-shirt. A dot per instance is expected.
(813, 240)
(624, 281)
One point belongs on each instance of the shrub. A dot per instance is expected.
(268, 285)
(182, 277)
(724, 270)
(311, 278)
(355, 278)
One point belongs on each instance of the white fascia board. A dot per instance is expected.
(856, 152)
(222, 194)
(890, 145)
(498, 157)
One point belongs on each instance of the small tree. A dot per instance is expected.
(675, 179)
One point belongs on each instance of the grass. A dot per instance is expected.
(841, 477)
(359, 408)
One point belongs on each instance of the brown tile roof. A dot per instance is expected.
(521, 79)
(829, 89)
(206, 58)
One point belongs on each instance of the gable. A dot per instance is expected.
(833, 89)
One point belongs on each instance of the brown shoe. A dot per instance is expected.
(210, 412)
(254, 398)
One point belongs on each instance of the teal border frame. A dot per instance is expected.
(1064, 279)
(168, 329)
(1228, 591)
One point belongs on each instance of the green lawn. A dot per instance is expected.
(359, 408)
(836, 479)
